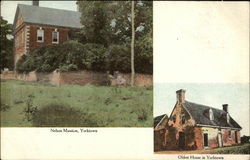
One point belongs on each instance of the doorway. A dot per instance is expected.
(236, 137)
(182, 140)
(205, 137)
(220, 139)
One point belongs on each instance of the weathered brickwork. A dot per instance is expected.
(230, 138)
(25, 36)
(19, 43)
(180, 121)
(33, 44)
(69, 78)
(193, 126)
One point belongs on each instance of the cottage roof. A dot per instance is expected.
(200, 115)
(48, 16)
(158, 119)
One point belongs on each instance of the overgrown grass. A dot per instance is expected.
(76, 106)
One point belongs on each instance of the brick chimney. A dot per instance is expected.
(180, 95)
(35, 2)
(225, 107)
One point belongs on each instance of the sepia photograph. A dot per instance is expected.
(115, 80)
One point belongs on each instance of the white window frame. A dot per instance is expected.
(40, 32)
(57, 34)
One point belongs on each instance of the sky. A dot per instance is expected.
(202, 47)
(201, 42)
(8, 8)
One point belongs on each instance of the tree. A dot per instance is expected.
(109, 23)
(132, 43)
(6, 43)
(95, 21)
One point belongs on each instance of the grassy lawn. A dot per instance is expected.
(75, 106)
(239, 149)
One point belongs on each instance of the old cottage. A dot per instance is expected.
(196, 126)
(36, 26)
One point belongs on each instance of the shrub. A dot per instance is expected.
(118, 58)
(25, 64)
(4, 107)
(67, 68)
(61, 115)
(94, 57)
(72, 56)
(49, 58)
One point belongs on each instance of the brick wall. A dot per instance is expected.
(7, 75)
(26, 37)
(140, 79)
(230, 139)
(33, 44)
(71, 78)
(20, 43)
(212, 136)
(175, 126)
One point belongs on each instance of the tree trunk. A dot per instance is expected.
(132, 43)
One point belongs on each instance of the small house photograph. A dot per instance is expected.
(191, 127)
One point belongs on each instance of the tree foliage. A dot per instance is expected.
(6, 43)
(109, 23)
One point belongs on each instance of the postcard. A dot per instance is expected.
(124, 80)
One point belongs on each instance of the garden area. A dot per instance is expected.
(32, 104)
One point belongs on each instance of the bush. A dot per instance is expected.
(25, 64)
(49, 58)
(67, 68)
(60, 115)
(73, 56)
(94, 57)
(118, 58)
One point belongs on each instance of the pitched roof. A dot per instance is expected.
(158, 119)
(48, 16)
(200, 115)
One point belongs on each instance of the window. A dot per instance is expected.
(183, 119)
(55, 37)
(211, 115)
(174, 119)
(40, 35)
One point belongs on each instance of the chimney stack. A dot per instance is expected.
(225, 107)
(180, 94)
(35, 2)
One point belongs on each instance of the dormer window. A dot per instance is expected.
(228, 118)
(40, 35)
(55, 36)
(211, 115)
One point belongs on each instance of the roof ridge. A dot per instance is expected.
(205, 106)
(19, 4)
